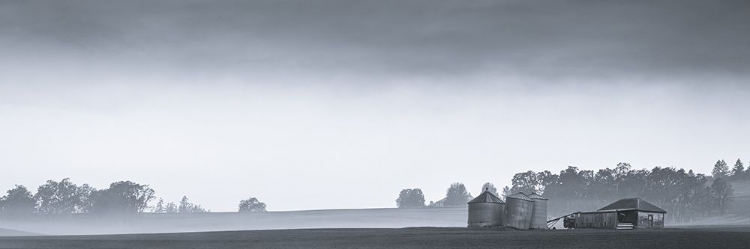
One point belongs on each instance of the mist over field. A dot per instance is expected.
(368, 121)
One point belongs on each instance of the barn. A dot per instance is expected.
(632, 213)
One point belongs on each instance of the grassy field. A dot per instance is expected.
(726, 237)
(203, 222)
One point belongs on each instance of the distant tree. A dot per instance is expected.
(506, 192)
(456, 195)
(489, 187)
(526, 182)
(252, 205)
(721, 170)
(410, 198)
(85, 195)
(56, 198)
(184, 205)
(171, 208)
(17, 204)
(187, 207)
(738, 171)
(722, 192)
(622, 170)
(159, 208)
(544, 179)
(123, 198)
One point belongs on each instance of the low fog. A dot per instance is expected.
(311, 105)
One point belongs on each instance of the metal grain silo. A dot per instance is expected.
(518, 211)
(539, 215)
(486, 211)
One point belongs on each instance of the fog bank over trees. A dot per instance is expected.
(685, 195)
(120, 199)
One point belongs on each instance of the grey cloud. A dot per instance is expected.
(547, 39)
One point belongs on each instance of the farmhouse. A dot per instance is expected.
(623, 214)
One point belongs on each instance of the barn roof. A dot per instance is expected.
(633, 204)
(486, 197)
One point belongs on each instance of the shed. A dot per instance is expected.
(624, 213)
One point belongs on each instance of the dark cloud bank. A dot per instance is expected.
(547, 39)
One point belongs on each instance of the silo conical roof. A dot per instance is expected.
(487, 197)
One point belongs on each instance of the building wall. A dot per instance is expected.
(596, 220)
(656, 221)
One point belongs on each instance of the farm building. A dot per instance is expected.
(623, 214)
(486, 210)
(442, 203)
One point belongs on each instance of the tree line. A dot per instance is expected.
(122, 198)
(455, 196)
(685, 195)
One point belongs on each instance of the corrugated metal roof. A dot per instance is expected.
(520, 195)
(486, 197)
(537, 196)
(633, 204)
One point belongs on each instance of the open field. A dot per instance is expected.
(11, 232)
(728, 237)
(204, 222)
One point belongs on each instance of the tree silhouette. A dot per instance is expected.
(187, 207)
(456, 195)
(526, 182)
(738, 171)
(17, 204)
(55, 198)
(122, 198)
(721, 170)
(159, 208)
(410, 198)
(252, 205)
(722, 193)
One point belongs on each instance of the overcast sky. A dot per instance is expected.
(341, 104)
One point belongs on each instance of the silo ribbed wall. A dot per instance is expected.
(486, 214)
(518, 213)
(539, 216)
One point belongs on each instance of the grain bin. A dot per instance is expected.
(518, 211)
(486, 211)
(539, 214)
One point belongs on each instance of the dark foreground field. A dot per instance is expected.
(403, 238)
